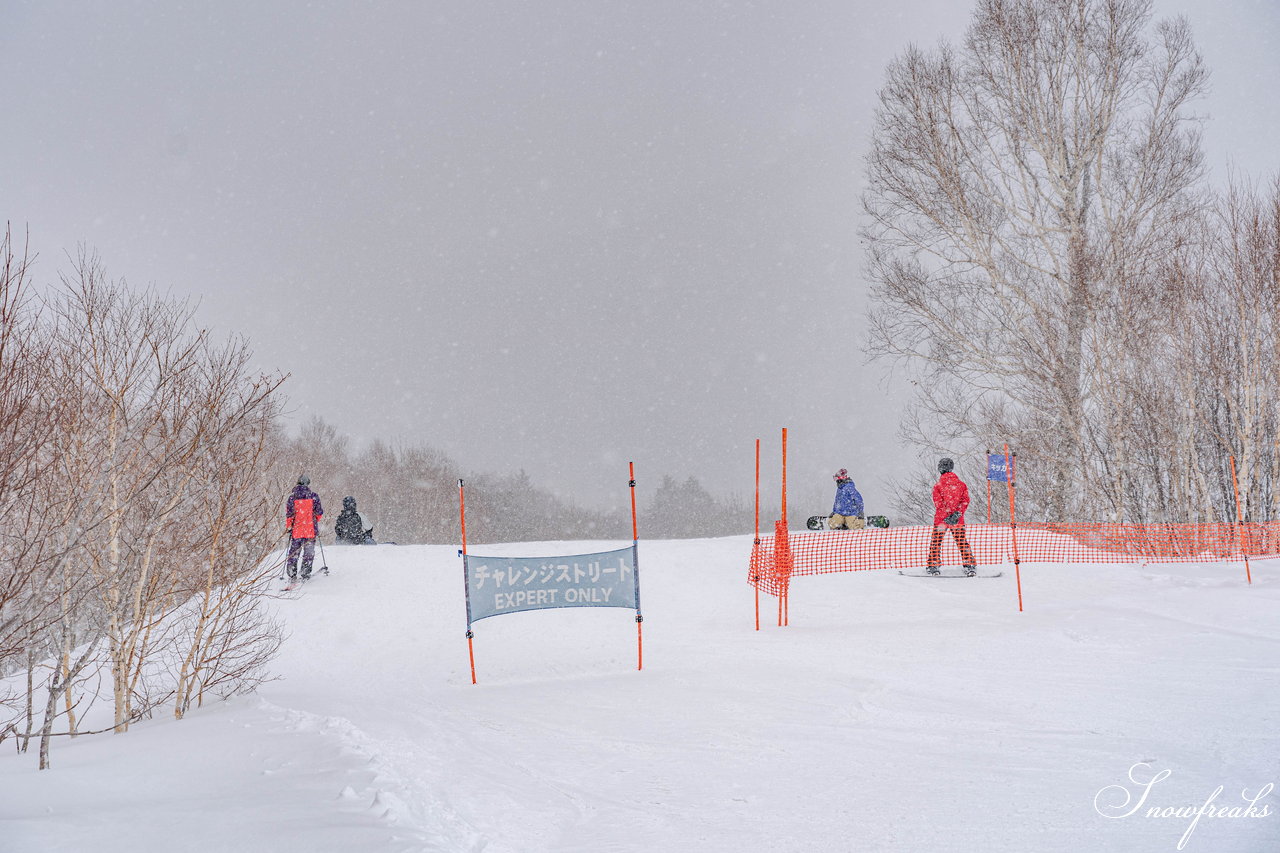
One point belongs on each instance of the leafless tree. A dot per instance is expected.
(157, 461)
(227, 637)
(1190, 379)
(31, 551)
(1018, 187)
(1230, 347)
(130, 357)
(27, 409)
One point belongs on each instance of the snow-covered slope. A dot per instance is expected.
(892, 714)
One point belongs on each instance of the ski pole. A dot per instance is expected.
(284, 562)
(324, 564)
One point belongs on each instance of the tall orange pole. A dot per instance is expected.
(756, 545)
(781, 595)
(784, 475)
(785, 599)
(1240, 520)
(635, 561)
(779, 563)
(1010, 464)
(466, 581)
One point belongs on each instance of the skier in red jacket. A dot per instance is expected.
(302, 519)
(950, 500)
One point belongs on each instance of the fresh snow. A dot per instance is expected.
(893, 714)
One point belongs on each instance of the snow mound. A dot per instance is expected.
(892, 714)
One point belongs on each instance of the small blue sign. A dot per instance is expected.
(998, 467)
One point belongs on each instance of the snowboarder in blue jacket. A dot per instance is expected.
(846, 512)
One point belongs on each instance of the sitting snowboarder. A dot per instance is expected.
(950, 500)
(352, 528)
(846, 512)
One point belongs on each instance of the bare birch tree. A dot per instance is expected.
(129, 356)
(227, 637)
(1016, 184)
(27, 411)
(150, 420)
(1231, 346)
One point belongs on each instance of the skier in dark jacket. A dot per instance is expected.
(352, 528)
(846, 512)
(302, 516)
(950, 500)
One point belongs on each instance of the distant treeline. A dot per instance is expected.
(409, 492)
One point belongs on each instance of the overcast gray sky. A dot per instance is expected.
(554, 236)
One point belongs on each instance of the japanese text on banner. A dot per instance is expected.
(500, 585)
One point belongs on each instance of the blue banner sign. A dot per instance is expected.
(497, 585)
(997, 467)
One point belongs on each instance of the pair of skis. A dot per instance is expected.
(294, 583)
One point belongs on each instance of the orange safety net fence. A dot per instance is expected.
(776, 559)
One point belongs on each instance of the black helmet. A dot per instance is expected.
(945, 465)
(348, 502)
(304, 480)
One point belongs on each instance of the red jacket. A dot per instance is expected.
(303, 513)
(950, 494)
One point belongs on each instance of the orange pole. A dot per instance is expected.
(784, 475)
(784, 600)
(781, 596)
(635, 530)
(1240, 520)
(635, 544)
(462, 515)
(757, 540)
(988, 461)
(781, 563)
(1010, 464)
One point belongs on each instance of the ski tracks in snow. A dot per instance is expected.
(396, 797)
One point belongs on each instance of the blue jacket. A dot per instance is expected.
(848, 501)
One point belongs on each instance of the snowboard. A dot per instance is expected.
(952, 574)
(819, 522)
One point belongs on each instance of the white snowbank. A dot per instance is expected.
(893, 714)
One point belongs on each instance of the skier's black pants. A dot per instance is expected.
(935, 544)
(308, 549)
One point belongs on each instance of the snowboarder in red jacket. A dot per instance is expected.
(950, 500)
(302, 514)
